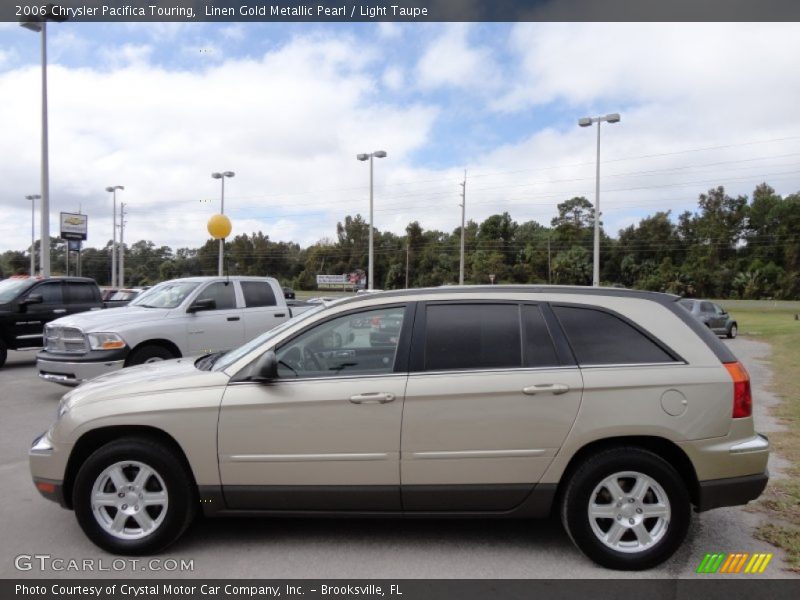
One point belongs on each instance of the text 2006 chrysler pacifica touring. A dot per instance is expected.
(614, 408)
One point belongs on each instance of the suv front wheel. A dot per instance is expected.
(133, 496)
(626, 508)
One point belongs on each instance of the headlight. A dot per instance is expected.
(105, 341)
(63, 407)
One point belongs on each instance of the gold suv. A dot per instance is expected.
(615, 408)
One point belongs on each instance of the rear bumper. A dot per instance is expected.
(733, 491)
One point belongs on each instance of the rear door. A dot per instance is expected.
(490, 399)
(261, 310)
(80, 296)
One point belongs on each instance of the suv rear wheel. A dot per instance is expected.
(3, 353)
(626, 508)
(133, 496)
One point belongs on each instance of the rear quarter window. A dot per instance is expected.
(598, 337)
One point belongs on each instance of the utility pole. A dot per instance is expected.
(121, 245)
(407, 252)
(463, 206)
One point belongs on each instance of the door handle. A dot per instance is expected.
(279, 315)
(233, 318)
(546, 388)
(59, 311)
(372, 398)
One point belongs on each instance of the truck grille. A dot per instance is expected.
(64, 340)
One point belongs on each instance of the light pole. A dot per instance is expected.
(113, 189)
(363, 157)
(33, 198)
(588, 122)
(463, 206)
(222, 176)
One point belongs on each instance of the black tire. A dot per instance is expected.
(149, 353)
(3, 353)
(733, 331)
(588, 477)
(181, 495)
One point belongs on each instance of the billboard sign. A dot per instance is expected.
(74, 226)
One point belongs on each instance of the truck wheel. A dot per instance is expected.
(3, 353)
(149, 354)
(626, 509)
(133, 496)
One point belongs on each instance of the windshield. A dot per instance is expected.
(10, 289)
(231, 357)
(169, 294)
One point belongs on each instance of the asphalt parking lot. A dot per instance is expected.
(388, 549)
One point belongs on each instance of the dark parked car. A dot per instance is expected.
(28, 303)
(713, 316)
(288, 293)
(122, 297)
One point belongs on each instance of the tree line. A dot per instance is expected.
(729, 247)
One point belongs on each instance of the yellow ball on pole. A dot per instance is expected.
(219, 226)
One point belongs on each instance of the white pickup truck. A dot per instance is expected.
(182, 317)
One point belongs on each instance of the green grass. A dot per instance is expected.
(774, 322)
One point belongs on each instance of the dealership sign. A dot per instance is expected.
(332, 279)
(73, 226)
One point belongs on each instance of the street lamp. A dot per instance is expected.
(113, 189)
(33, 198)
(39, 25)
(222, 176)
(588, 122)
(369, 157)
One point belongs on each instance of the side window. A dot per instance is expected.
(51, 293)
(222, 293)
(80, 293)
(538, 348)
(356, 344)
(600, 338)
(718, 310)
(706, 307)
(258, 293)
(472, 336)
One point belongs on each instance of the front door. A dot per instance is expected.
(326, 434)
(33, 317)
(220, 328)
(489, 403)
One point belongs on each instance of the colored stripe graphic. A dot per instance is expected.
(734, 563)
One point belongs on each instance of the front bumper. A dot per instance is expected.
(44, 463)
(74, 370)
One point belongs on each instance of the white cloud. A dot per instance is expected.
(450, 61)
(393, 78)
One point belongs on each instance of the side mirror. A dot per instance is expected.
(266, 368)
(202, 304)
(31, 299)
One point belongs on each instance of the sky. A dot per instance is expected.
(158, 107)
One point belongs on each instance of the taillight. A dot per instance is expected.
(742, 398)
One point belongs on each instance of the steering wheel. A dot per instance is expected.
(310, 359)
